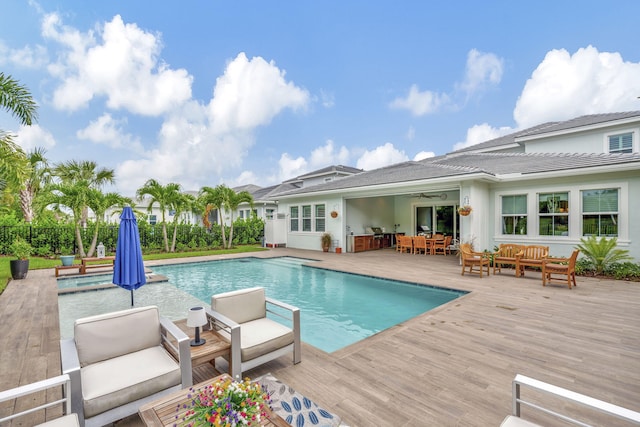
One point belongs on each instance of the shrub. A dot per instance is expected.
(623, 270)
(602, 252)
(20, 248)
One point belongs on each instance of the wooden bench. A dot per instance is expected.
(506, 255)
(68, 267)
(85, 263)
(530, 256)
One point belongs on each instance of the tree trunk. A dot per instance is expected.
(164, 236)
(224, 240)
(26, 204)
(79, 241)
(175, 234)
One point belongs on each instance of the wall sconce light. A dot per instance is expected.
(197, 317)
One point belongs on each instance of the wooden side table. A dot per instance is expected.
(168, 409)
(216, 346)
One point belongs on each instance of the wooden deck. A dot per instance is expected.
(450, 366)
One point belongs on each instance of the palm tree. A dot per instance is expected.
(183, 203)
(232, 201)
(99, 203)
(74, 196)
(84, 171)
(39, 177)
(165, 196)
(214, 198)
(17, 100)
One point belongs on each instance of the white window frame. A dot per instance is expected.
(307, 218)
(308, 222)
(599, 213)
(635, 144)
(319, 219)
(525, 214)
(295, 218)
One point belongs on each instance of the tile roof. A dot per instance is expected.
(458, 165)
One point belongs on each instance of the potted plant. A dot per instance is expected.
(464, 210)
(67, 259)
(21, 249)
(325, 241)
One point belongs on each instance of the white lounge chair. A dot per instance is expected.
(514, 420)
(68, 419)
(117, 362)
(241, 317)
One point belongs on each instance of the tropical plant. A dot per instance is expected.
(74, 197)
(325, 241)
(602, 252)
(39, 177)
(20, 248)
(182, 203)
(87, 173)
(17, 100)
(214, 198)
(232, 202)
(99, 203)
(165, 196)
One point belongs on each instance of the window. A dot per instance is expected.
(621, 143)
(269, 213)
(320, 220)
(241, 214)
(514, 214)
(294, 221)
(553, 214)
(600, 212)
(306, 218)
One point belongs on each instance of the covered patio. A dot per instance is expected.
(450, 366)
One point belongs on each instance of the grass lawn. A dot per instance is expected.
(36, 263)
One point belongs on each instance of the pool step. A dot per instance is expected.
(287, 261)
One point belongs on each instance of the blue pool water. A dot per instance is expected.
(336, 309)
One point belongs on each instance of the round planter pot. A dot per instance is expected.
(67, 259)
(19, 268)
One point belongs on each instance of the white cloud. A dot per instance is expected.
(251, 93)
(423, 155)
(420, 103)
(381, 156)
(411, 133)
(106, 130)
(30, 137)
(327, 99)
(27, 57)
(119, 62)
(199, 142)
(482, 69)
(328, 155)
(290, 167)
(564, 86)
(481, 133)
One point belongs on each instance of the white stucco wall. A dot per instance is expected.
(594, 141)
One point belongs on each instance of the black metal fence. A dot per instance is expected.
(61, 239)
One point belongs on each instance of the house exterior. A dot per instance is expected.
(551, 184)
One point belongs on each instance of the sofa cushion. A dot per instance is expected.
(114, 382)
(262, 336)
(513, 421)
(241, 306)
(110, 335)
(70, 420)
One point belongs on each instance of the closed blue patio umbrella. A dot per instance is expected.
(128, 270)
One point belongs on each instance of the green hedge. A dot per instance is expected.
(60, 239)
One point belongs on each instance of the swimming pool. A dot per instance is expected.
(336, 309)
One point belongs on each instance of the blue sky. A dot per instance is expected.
(210, 92)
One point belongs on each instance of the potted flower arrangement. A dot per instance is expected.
(227, 403)
(21, 249)
(325, 241)
(464, 210)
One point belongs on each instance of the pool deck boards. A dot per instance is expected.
(452, 366)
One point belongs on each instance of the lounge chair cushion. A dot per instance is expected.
(115, 382)
(70, 420)
(513, 421)
(241, 306)
(111, 335)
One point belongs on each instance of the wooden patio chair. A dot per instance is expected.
(472, 259)
(442, 245)
(530, 256)
(420, 245)
(406, 244)
(565, 267)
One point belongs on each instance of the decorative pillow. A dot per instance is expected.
(295, 408)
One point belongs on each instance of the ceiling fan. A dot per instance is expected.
(442, 196)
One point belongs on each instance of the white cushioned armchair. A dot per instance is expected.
(241, 316)
(117, 362)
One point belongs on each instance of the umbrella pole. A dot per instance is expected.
(131, 297)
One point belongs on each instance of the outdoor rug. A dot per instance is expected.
(294, 408)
